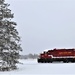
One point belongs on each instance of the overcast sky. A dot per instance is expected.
(44, 24)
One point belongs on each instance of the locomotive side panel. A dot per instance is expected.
(63, 53)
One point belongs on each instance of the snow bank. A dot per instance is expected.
(31, 67)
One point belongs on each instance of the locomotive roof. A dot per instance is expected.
(62, 49)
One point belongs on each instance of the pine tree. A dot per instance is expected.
(9, 38)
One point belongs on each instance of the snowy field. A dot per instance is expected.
(31, 67)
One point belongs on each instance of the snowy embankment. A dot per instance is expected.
(33, 68)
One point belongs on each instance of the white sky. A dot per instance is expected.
(44, 24)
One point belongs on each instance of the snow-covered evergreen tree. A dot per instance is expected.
(9, 39)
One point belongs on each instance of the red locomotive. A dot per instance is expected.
(65, 55)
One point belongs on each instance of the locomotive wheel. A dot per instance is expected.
(65, 60)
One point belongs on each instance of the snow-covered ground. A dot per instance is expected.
(31, 67)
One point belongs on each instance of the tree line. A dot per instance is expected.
(29, 56)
